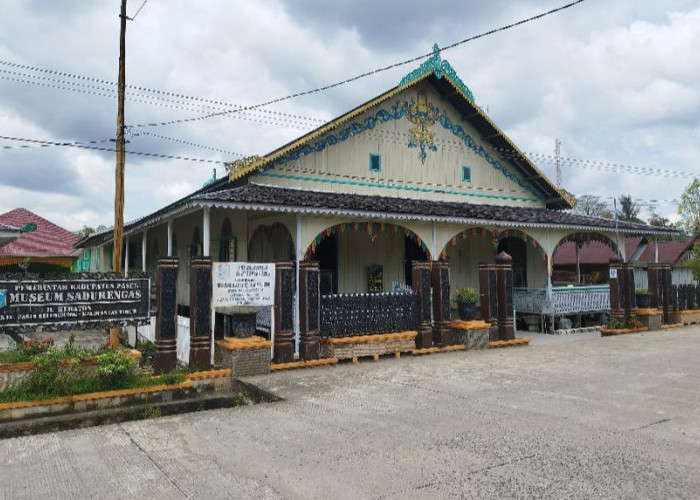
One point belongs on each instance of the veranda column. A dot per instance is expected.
(622, 300)
(655, 280)
(166, 315)
(504, 277)
(144, 245)
(284, 312)
(488, 294)
(206, 230)
(310, 306)
(420, 276)
(200, 312)
(170, 237)
(126, 256)
(666, 304)
(442, 333)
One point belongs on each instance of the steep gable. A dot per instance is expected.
(425, 139)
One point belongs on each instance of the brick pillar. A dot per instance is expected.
(284, 312)
(420, 276)
(504, 287)
(489, 296)
(166, 315)
(666, 303)
(310, 310)
(623, 305)
(200, 313)
(442, 333)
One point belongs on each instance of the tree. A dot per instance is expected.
(689, 208)
(593, 206)
(629, 210)
(694, 262)
(657, 220)
(85, 231)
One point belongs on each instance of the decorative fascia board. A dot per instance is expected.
(408, 217)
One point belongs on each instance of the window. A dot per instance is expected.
(375, 162)
(466, 173)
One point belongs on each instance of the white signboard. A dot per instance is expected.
(613, 274)
(243, 284)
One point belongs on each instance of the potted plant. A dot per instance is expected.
(467, 299)
(643, 298)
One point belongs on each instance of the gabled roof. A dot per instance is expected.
(595, 252)
(438, 73)
(48, 239)
(670, 252)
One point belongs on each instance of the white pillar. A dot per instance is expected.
(578, 264)
(144, 246)
(126, 256)
(206, 229)
(170, 237)
(297, 313)
(656, 250)
(623, 250)
(434, 249)
(549, 267)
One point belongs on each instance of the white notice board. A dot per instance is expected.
(243, 284)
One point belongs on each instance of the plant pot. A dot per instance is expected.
(243, 325)
(643, 300)
(466, 310)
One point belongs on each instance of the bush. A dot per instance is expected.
(115, 368)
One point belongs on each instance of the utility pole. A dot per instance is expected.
(119, 181)
(557, 159)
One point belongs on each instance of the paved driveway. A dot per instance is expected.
(614, 417)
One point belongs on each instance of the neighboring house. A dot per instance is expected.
(48, 248)
(419, 172)
(8, 234)
(594, 257)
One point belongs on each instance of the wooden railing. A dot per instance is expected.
(565, 300)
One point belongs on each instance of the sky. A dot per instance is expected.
(618, 83)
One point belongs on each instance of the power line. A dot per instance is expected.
(95, 148)
(369, 73)
(157, 100)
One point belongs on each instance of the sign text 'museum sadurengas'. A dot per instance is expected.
(73, 301)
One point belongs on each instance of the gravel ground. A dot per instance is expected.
(614, 417)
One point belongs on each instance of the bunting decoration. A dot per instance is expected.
(581, 238)
(495, 237)
(371, 229)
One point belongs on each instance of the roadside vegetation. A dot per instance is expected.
(72, 370)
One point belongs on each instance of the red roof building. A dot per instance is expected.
(48, 244)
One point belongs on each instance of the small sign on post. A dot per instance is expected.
(243, 284)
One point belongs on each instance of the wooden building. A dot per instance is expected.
(419, 172)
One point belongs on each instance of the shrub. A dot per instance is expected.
(115, 368)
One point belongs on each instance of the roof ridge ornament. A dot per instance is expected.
(440, 67)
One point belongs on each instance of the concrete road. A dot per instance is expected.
(600, 417)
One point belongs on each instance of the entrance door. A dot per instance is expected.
(515, 247)
(327, 256)
(411, 252)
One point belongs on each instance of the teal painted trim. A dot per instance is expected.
(466, 173)
(372, 158)
(398, 111)
(440, 67)
(393, 186)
